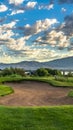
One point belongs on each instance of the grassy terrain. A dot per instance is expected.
(5, 90)
(60, 81)
(36, 118)
(70, 94)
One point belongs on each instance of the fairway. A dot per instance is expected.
(32, 93)
(36, 118)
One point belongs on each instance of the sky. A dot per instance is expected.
(35, 30)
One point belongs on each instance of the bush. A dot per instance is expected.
(70, 74)
(41, 72)
(54, 72)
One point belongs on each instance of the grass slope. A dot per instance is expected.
(5, 90)
(70, 94)
(61, 81)
(36, 118)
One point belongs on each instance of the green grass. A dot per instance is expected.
(5, 90)
(36, 118)
(60, 82)
(70, 94)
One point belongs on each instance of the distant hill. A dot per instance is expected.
(65, 63)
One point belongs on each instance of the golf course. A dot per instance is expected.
(36, 103)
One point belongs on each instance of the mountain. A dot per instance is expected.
(64, 63)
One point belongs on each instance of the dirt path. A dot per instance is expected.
(30, 93)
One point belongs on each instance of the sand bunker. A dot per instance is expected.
(30, 93)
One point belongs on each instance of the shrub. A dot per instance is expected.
(41, 72)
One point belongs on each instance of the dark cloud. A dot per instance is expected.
(4, 40)
(61, 48)
(68, 26)
(26, 31)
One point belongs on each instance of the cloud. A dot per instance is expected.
(6, 32)
(59, 37)
(63, 10)
(13, 44)
(14, 12)
(3, 8)
(53, 39)
(18, 44)
(31, 5)
(39, 26)
(67, 26)
(8, 26)
(16, 2)
(39, 54)
(21, 9)
(51, 6)
(32, 54)
(48, 7)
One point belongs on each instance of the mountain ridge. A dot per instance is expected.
(63, 63)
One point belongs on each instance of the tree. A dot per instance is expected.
(6, 71)
(54, 72)
(11, 71)
(70, 74)
(41, 72)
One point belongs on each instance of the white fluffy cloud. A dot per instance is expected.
(3, 8)
(39, 26)
(53, 39)
(31, 4)
(18, 44)
(59, 38)
(7, 26)
(16, 2)
(6, 31)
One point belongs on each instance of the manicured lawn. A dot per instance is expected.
(5, 90)
(36, 118)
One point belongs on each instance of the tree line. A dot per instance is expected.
(38, 72)
(47, 72)
(12, 71)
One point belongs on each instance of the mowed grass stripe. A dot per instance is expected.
(36, 118)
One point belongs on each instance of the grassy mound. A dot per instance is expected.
(59, 82)
(36, 118)
(5, 90)
(70, 94)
